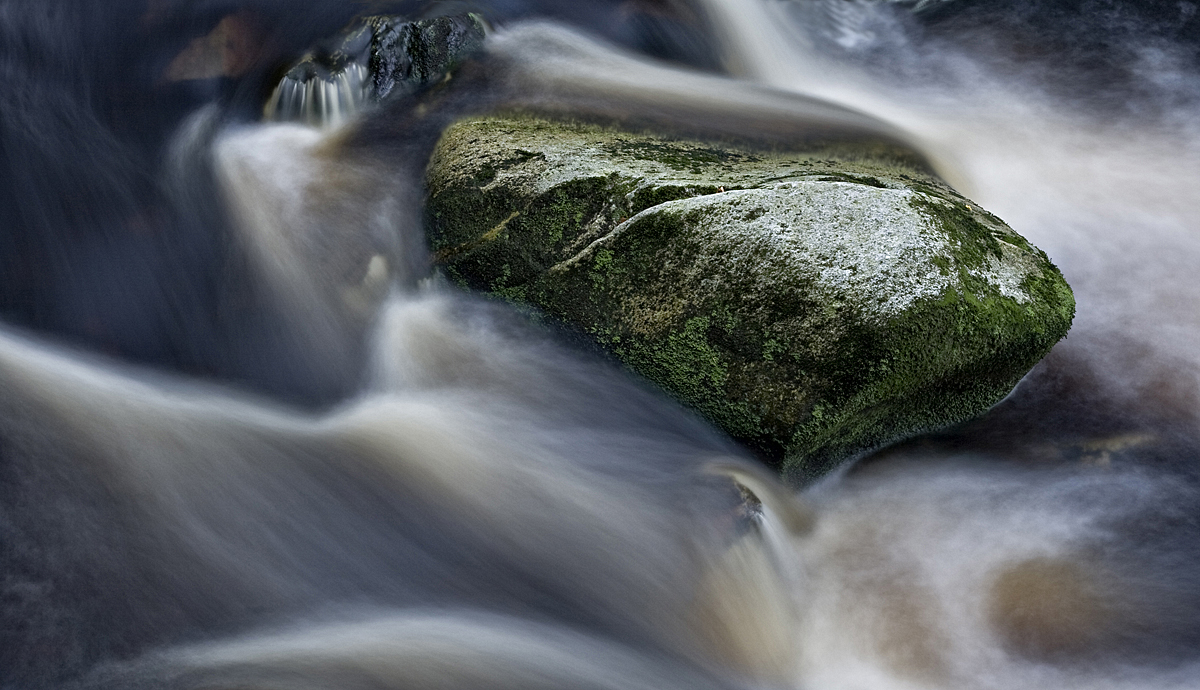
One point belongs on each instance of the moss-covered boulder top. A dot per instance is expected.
(813, 304)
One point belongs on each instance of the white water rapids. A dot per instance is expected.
(489, 507)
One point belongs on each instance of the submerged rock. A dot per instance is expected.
(814, 304)
(229, 50)
(376, 58)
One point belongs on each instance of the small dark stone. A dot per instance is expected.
(376, 58)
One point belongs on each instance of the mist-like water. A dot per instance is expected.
(1101, 186)
(279, 452)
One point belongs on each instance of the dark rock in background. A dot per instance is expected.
(377, 58)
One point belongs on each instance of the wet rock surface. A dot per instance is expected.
(376, 58)
(813, 304)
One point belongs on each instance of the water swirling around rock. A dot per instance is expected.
(275, 451)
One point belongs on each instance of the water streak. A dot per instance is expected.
(491, 504)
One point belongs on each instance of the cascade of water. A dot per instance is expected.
(320, 99)
(491, 508)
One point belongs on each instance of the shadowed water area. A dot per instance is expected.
(249, 437)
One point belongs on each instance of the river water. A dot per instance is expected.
(249, 440)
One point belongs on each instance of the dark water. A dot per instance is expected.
(249, 440)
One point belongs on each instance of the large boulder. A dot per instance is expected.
(812, 304)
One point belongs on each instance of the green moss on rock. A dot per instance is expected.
(814, 305)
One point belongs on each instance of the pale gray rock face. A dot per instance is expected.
(847, 240)
(813, 304)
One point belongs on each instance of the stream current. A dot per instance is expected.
(249, 440)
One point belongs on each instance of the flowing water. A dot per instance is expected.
(249, 440)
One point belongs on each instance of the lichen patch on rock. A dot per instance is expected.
(846, 239)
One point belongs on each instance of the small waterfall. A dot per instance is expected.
(317, 97)
(376, 58)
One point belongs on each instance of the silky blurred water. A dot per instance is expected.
(250, 439)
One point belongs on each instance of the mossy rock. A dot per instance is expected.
(814, 304)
